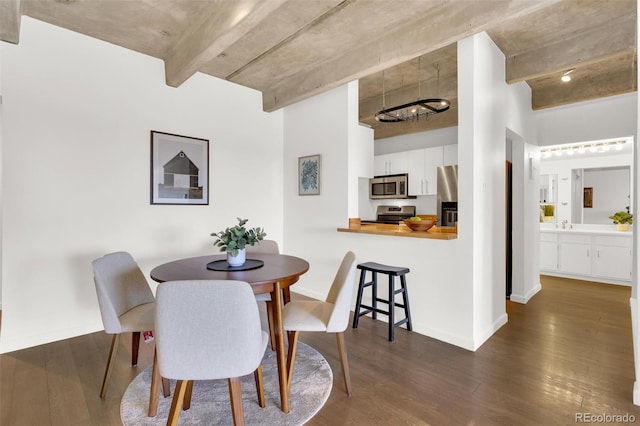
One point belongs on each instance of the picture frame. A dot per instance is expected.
(587, 200)
(179, 169)
(309, 175)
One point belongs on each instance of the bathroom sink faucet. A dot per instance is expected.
(564, 223)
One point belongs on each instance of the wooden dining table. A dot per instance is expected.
(277, 274)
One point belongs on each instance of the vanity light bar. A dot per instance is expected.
(547, 152)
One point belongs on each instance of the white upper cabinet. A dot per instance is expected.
(433, 159)
(450, 155)
(421, 165)
(390, 164)
(416, 172)
(423, 173)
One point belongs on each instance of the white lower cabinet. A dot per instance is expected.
(612, 257)
(597, 257)
(549, 251)
(575, 258)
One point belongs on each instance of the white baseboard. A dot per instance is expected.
(524, 299)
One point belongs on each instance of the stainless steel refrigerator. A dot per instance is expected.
(447, 208)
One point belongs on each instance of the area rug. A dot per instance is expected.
(310, 388)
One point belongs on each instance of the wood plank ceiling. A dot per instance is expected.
(294, 49)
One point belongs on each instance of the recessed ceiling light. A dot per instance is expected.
(565, 75)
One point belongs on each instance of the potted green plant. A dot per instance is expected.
(549, 212)
(622, 220)
(234, 240)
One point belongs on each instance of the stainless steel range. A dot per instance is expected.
(392, 214)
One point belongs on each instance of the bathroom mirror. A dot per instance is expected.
(548, 197)
(587, 181)
(599, 192)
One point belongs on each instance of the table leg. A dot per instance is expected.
(276, 297)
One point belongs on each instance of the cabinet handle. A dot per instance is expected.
(422, 186)
(587, 253)
(598, 254)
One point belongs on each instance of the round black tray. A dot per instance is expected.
(223, 265)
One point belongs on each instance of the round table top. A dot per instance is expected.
(277, 268)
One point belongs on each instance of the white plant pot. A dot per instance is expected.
(237, 260)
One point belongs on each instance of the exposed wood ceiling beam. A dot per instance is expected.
(10, 21)
(291, 20)
(610, 40)
(616, 76)
(213, 35)
(388, 49)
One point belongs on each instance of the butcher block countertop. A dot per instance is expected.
(435, 233)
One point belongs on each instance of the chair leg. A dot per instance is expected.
(259, 386)
(272, 335)
(109, 369)
(291, 356)
(344, 361)
(135, 347)
(154, 394)
(176, 402)
(166, 387)
(186, 404)
(235, 394)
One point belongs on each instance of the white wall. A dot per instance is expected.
(446, 136)
(77, 115)
(636, 238)
(1, 150)
(605, 118)
(360, 154)
(526, 235)
(481, 192)
(440, 301)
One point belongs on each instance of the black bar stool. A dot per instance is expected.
(392, 272)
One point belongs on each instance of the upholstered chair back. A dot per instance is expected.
(120, 286)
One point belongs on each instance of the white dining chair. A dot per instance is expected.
(208, 330)
(126, 304)
(330, 316)
(270, 247)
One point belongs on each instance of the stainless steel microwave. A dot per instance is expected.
(390, 186)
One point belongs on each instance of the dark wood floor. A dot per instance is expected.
(568, 351)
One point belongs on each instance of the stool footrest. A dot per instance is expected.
(402, 321)
(370, 309)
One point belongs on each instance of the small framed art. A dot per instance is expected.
(179, 169)
(588, 198)
(309, 175)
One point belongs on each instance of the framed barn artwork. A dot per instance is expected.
(179, 169)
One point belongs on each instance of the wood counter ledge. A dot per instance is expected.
(435, 233)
